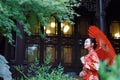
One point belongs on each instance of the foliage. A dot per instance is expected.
(110, 72)
(44, 72)
(30, 12)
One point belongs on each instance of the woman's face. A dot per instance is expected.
(87, 44)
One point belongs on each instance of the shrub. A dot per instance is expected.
(44, 72)
(110, 72)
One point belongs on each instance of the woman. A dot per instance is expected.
(90, 61)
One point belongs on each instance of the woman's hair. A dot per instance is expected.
(93, 40)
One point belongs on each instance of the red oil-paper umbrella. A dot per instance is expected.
(104, 48)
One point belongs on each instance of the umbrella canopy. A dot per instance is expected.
(104, 48)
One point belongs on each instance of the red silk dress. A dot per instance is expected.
(90, 66)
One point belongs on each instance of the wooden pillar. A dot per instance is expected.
(75, 60)
(42, 47)
(7, 50)
(19, 50)
(100, 14)
(59, 46)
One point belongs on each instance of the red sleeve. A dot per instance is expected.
(92, 62)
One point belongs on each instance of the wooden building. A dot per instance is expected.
(65, 41)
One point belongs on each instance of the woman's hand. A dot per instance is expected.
(82, 74)
(82, 59)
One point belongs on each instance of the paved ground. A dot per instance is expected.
(76, 76)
